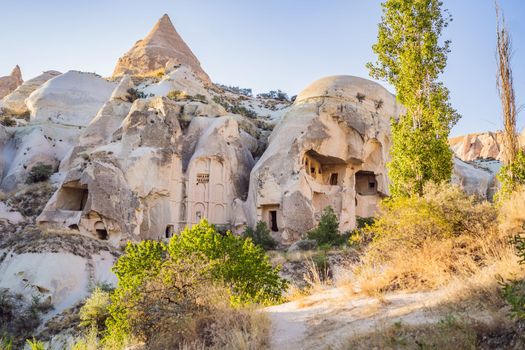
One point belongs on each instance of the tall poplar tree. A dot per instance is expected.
(411, 57)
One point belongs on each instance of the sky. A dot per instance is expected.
(263, 45)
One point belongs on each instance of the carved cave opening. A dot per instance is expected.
(72, 196)
(365, 183)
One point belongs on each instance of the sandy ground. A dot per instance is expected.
(326, 319)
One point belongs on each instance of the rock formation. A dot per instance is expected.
(330, 148)
(10, 82)
(161, 50)
(485, 145)
(15, 102)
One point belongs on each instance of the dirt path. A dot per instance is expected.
(327, 319)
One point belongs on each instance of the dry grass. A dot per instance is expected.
(449, 333)
(441, 238)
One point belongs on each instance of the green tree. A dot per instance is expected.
(411, 57)
(260, 235)
(195, 256)
(327, 232)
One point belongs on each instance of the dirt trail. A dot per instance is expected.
(327, 319)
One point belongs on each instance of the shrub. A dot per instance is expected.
(36, 344)
(134, 94)
(169, 289)
(40, 172)
(7, 121)
(176, 95)
(260, 235)
(360, 97)
(511, 176)
(239, 263)
(457, 232)
(95, 311)
(327, 231)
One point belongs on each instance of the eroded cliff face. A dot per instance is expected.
(485, 145)
(330, 148)
(145, 154)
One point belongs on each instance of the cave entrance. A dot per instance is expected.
(273, 221)
(324, 169)
(101, 231)
(170, 230)
(365, 183)
(72, 196)
(333, 179)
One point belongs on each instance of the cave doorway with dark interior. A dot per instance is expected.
(101, 231)
(273, 220)
(170, 230)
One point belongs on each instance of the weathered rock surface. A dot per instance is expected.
(477, 177)
(10, 82)
(487, 145)
(330, 148)
(15, 102)
(71, 99)
(168, 164)
(161, 50)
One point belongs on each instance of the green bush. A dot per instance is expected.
(240, 264)
(36, 344)
(134, 94)
(157, 280)
(260, 235)
(511, 176)
(40, 172)
(327, 231)
(95, 311)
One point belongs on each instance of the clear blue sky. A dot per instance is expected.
(265, 44)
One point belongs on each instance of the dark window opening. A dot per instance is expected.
(170, 229)
(102, 234)
(273, 221)
(74, 227)
(371, 185)
(312, 170)
(334, 179)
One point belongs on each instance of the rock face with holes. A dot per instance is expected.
(10, 82)
(161, 50)
(330, 149)
(166, 165)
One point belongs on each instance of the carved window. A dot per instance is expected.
(333, 179)
(203, 178)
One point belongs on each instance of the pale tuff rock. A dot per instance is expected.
(330, 148)
(163, 168)
(8, 215)
(71, 99)
(15, 103)
(10, 82)
(61, 278)
(161, 50)
(476, 177)
(479, 145)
